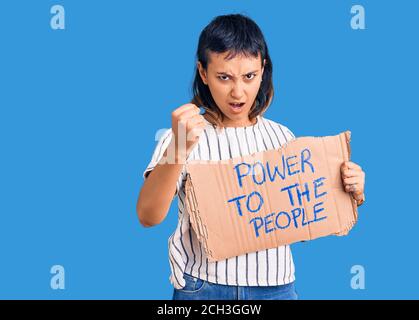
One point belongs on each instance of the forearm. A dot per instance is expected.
(157, 192)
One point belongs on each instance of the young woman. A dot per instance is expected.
(233, 83)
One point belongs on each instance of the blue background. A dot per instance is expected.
(79, 109)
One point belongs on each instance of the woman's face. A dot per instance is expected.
(233, 81)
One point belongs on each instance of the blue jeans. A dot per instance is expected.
(198, 289)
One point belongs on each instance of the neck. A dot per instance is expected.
(239, 123)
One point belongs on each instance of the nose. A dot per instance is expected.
(237, 90)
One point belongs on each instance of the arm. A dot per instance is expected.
(157, 192)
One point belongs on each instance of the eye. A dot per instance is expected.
(221, 77)
(250, 76)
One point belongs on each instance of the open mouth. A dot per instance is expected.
(236, 106)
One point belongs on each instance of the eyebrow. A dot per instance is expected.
(255, 71)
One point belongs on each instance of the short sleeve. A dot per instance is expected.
(161, 146)
(288, 133)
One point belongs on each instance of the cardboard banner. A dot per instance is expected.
(272, 198)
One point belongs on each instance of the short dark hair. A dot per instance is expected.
(236, 34)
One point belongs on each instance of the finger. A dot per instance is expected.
(189, 106)
(347, 173)
(181, 109)
(198, 117)
(351, 180)
(351, 188)
(194, 121)
(189, 114)
(352, 165)
(196, 131)
(184, 108)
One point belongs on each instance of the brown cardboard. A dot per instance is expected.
(225, 233)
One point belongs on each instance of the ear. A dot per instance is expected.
(202, 73)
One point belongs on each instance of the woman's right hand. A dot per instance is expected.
(158, 190)
(187, 126)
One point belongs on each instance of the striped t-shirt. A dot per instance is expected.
(268, 267)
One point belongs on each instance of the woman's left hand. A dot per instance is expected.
(353, 179)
